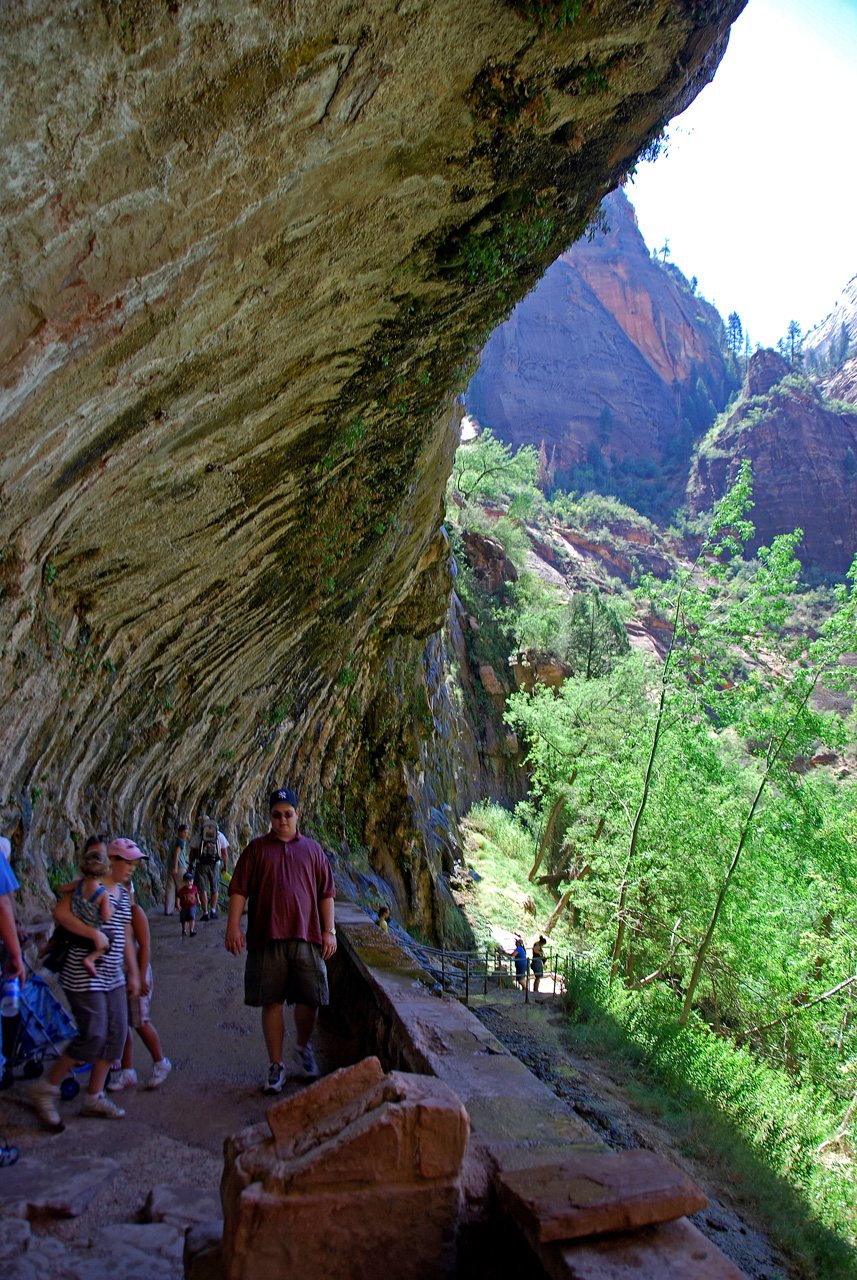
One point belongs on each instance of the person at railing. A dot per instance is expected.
(519, 953)
(538, 964)
(383, 918)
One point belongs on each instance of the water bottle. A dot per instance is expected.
(10, 997)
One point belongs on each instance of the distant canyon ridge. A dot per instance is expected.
(618, 365)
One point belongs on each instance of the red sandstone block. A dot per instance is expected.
(409, 1232)
(591, 1193)
(292, 1117)
(671, 1251)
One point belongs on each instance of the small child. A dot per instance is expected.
(383, 918)
(188, 900)
(90, 901)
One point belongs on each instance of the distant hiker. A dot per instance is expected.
(124, 1076)
(520, 955)
(383, 918)
(188, 903)
(91, 903)
(10, 952)
(176, 867)
(290, 932)
(538, 961)
(99, 1005)
(208, 851)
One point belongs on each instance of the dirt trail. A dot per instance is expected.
(173, 1134)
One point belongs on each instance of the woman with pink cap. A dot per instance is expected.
(99, 1004)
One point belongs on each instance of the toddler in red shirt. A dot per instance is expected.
(188, 901)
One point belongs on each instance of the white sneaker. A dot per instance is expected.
(124, 1078)
(276, 1078)
(160, 1071)
(45, 1097)
(305, 1062)
(98, 1104)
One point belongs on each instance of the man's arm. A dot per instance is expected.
(234, 939)
(9, 934)
(328, 937)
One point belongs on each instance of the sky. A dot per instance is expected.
(757, 194)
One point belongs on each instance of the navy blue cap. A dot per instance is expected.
(282, 796)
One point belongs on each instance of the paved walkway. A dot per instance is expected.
(173, 1134)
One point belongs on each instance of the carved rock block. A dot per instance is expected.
(354, 1167)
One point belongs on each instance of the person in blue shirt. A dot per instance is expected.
(13, 963)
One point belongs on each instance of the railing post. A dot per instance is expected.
(467, 979)
(527, 983)
(485, 989)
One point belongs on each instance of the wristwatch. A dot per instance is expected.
(333, 931)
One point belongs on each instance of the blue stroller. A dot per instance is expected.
(34, 1034)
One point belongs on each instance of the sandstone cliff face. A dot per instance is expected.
(804, 460)
(605, 355)
(827, 336)
(247, 253)
(842, 385)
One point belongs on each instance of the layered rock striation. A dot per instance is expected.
(248, 252)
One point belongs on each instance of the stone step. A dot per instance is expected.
(590, 1193)
(670, 1251)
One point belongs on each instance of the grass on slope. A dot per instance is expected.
(501, 853)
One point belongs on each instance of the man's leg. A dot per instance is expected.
(305, 1018)
(273, 1029)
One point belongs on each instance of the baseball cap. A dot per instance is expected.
(282, 796)
(125, 849)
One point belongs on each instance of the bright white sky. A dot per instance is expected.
(758, 192)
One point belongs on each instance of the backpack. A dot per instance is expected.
(209, 846)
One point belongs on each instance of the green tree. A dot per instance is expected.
(597, 636)
(734, 332)
(485, 467)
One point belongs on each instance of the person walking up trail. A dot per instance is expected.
(99, 1004)
(290, 933)
(208, 851)
(176, 867)
(124, 1076)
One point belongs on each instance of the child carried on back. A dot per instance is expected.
(90, 901)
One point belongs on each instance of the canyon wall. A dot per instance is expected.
(250, 251)
(804, 460)
(613, 358)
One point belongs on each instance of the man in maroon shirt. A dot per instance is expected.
(289, 884)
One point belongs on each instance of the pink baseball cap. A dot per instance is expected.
(125, 849)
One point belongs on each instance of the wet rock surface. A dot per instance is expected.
(746, 1247)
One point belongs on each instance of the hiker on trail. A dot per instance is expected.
(208, 851)
(290, 932)
(99, 1005)
(12, 960)
(176, 867)
(123, 1074)
(520, 955)
(188, 903)
(538, 961)
(383, 919)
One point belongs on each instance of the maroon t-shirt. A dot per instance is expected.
(284, 881)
